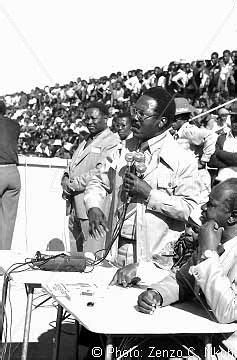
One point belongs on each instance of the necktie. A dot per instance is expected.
(88, 141)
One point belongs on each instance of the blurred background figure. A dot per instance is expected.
(10, 183)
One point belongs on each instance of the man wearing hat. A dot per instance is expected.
(10, 183)
(198, 140)
(223, 121)
(149, 208)
(225, 155)
(91, 151)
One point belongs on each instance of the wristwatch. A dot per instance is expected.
(208, 254)
(157, 292)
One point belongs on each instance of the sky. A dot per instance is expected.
(54, 41)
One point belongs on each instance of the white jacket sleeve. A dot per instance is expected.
(99, 185)
(200, 136)
(219, 291)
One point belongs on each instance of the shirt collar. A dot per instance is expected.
(230, 135)
(228, 245)
(157, 144)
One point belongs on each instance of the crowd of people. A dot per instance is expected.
(51, 118)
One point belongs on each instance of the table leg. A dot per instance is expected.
(58, 333)
(109, 348)
(30, 293)
(208, 347)
(4, 300)
(78, 330)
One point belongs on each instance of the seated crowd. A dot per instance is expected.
(51, 119)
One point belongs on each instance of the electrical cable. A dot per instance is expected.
(116, 232)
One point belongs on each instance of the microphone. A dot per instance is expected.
(140, 169)
(139, 157)
(129, 157)
(140, 166)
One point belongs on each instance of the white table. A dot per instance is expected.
(32, 280)
(114, 313)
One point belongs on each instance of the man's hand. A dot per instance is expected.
(201, 164)
(135, 186)
(65, 183)
(209, 236)
(97, 222)
(126, 276)
(148, 300)
(67, 191)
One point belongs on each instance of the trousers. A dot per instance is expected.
(80, 239)
(10, 186)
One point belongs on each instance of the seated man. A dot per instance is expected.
(211, 272)
(225, 155)
(200, 141)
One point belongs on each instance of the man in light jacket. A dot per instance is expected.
(85, 162)
(210, 276)
(147, 214)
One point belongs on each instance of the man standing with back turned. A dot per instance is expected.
(10, 183)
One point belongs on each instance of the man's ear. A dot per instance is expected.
(233, 218)
(162, 122)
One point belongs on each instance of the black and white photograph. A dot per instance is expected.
(118, 180)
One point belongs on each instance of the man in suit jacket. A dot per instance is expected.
(85, 161)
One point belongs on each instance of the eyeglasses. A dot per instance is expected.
(139, 114)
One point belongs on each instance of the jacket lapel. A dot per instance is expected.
(97, 142)
(153, 163)
(77, 154)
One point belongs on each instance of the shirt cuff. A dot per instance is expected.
(156, 199)
(92, 202)
(205, 158)
(157, 292)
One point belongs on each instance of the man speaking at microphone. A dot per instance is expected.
(149, 208)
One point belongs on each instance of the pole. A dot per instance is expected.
(215, 108)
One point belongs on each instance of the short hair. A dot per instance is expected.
(230, 187)
(126, 114)
(98, 105)
(203, 100)
(215, 53)
(227, 51)
(3, 108)
(165, 102)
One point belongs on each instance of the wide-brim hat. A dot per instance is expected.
(183, 106)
